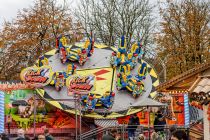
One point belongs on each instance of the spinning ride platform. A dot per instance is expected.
(99, 65)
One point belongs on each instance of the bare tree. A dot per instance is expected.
(110, 19)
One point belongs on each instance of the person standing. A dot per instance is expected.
(159, 123)
(141, 137)
(41, 137)
(21, 134)
(132, 126)
(47, 134)
(112, 135)
(4, 137)
(179, 135)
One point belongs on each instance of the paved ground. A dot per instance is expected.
(123, 100)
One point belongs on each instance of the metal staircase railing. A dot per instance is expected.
(122, 131)
(92, 133)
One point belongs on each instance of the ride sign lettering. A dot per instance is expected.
(36, 76)
(81, 84)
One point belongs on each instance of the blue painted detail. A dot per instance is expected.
(122, 41)
(2, 112)
(186, 111)
(89, 101)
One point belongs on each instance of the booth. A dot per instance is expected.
(195, 84)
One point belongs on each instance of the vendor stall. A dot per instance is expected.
(195, 84)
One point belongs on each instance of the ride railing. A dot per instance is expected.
(93, 133)
(147, 132)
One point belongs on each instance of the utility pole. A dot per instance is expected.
(75, 103)
(80, 118)
(77, 99)
(34, 114)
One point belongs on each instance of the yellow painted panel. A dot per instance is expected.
(40, 92)
(100, 45)
(55, 103)
(152, 73)
(114, 48)
(70, 111)
(94, 115)
(114, 115)
(156, 83)
(153, 94)
(80, 44)
(102, 85)
(132, 111)
(52, 52)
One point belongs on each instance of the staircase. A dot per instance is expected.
(93, 134)
(196, 131)
(96, 134)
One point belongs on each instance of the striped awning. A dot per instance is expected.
(106, 122)
(203, 86)
(196, 131)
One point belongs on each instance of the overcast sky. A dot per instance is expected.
(9, 8)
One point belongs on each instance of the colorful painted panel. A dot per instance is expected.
(20, 105)
(81, 84)
(37, 76)
(176, 112)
